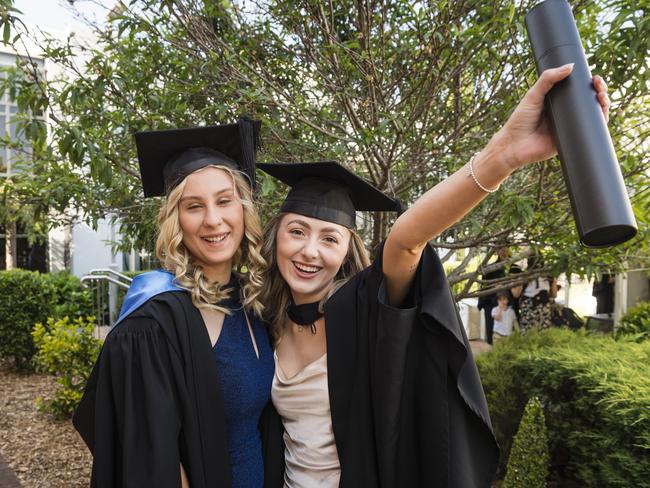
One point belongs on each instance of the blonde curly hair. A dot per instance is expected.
(247, 261)
(276, 293)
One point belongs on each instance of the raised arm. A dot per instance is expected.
(525, 138)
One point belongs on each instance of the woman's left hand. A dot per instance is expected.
(527, 137)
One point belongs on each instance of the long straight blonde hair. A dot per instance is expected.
(276, 294)
(247, 261)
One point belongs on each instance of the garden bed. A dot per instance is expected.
(41, 451)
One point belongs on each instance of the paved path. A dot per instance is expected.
(7, 477)
(479, 347)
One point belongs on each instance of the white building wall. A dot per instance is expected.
(58, 252)
(91, 249)
(630, 289)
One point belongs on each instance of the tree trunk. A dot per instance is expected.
(10, 246)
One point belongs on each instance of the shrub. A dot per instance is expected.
(528, 463)
(597, 402)
(636, 323)
(67, 349)
(70, 299)
(27, 298)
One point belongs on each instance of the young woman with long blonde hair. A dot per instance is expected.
(177, 394)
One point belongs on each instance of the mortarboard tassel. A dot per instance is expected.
(249, 134)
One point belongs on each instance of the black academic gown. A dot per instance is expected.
(153, 401)
(407, 405)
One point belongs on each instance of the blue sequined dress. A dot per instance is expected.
(246, 386)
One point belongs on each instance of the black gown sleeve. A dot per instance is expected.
(423, 367)
(129, 415)
(393, 334)
(394, 326)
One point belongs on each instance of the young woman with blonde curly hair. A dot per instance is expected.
(177, 395)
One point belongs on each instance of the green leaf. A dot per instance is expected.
(6, 32)
(268, 186)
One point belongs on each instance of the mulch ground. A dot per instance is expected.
(42, 452)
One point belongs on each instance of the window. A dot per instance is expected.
(12, 160)
(27, 257)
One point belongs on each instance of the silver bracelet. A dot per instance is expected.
(470, 172)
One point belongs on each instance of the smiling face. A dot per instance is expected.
(309, 254)
(211, 217)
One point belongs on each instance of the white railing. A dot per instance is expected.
(107, 285)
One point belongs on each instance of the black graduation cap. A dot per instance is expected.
(168, 156)
(328, 191)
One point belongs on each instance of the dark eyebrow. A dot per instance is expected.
(305, 224)
(299, 222)
(216, 193)
(332, 229)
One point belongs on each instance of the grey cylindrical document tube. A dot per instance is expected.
(601, 206)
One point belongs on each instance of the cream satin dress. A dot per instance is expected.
(311, 459)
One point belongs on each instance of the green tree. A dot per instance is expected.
(402, 92)
(529, 458)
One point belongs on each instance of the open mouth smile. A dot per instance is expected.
(305, 269)
(216, 239)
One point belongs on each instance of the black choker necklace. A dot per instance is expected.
(305, 314)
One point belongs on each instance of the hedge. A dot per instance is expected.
(596, 397)
(29, 297)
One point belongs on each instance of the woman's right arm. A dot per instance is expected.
(525, 138)
(147, 412)
(134, 410)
